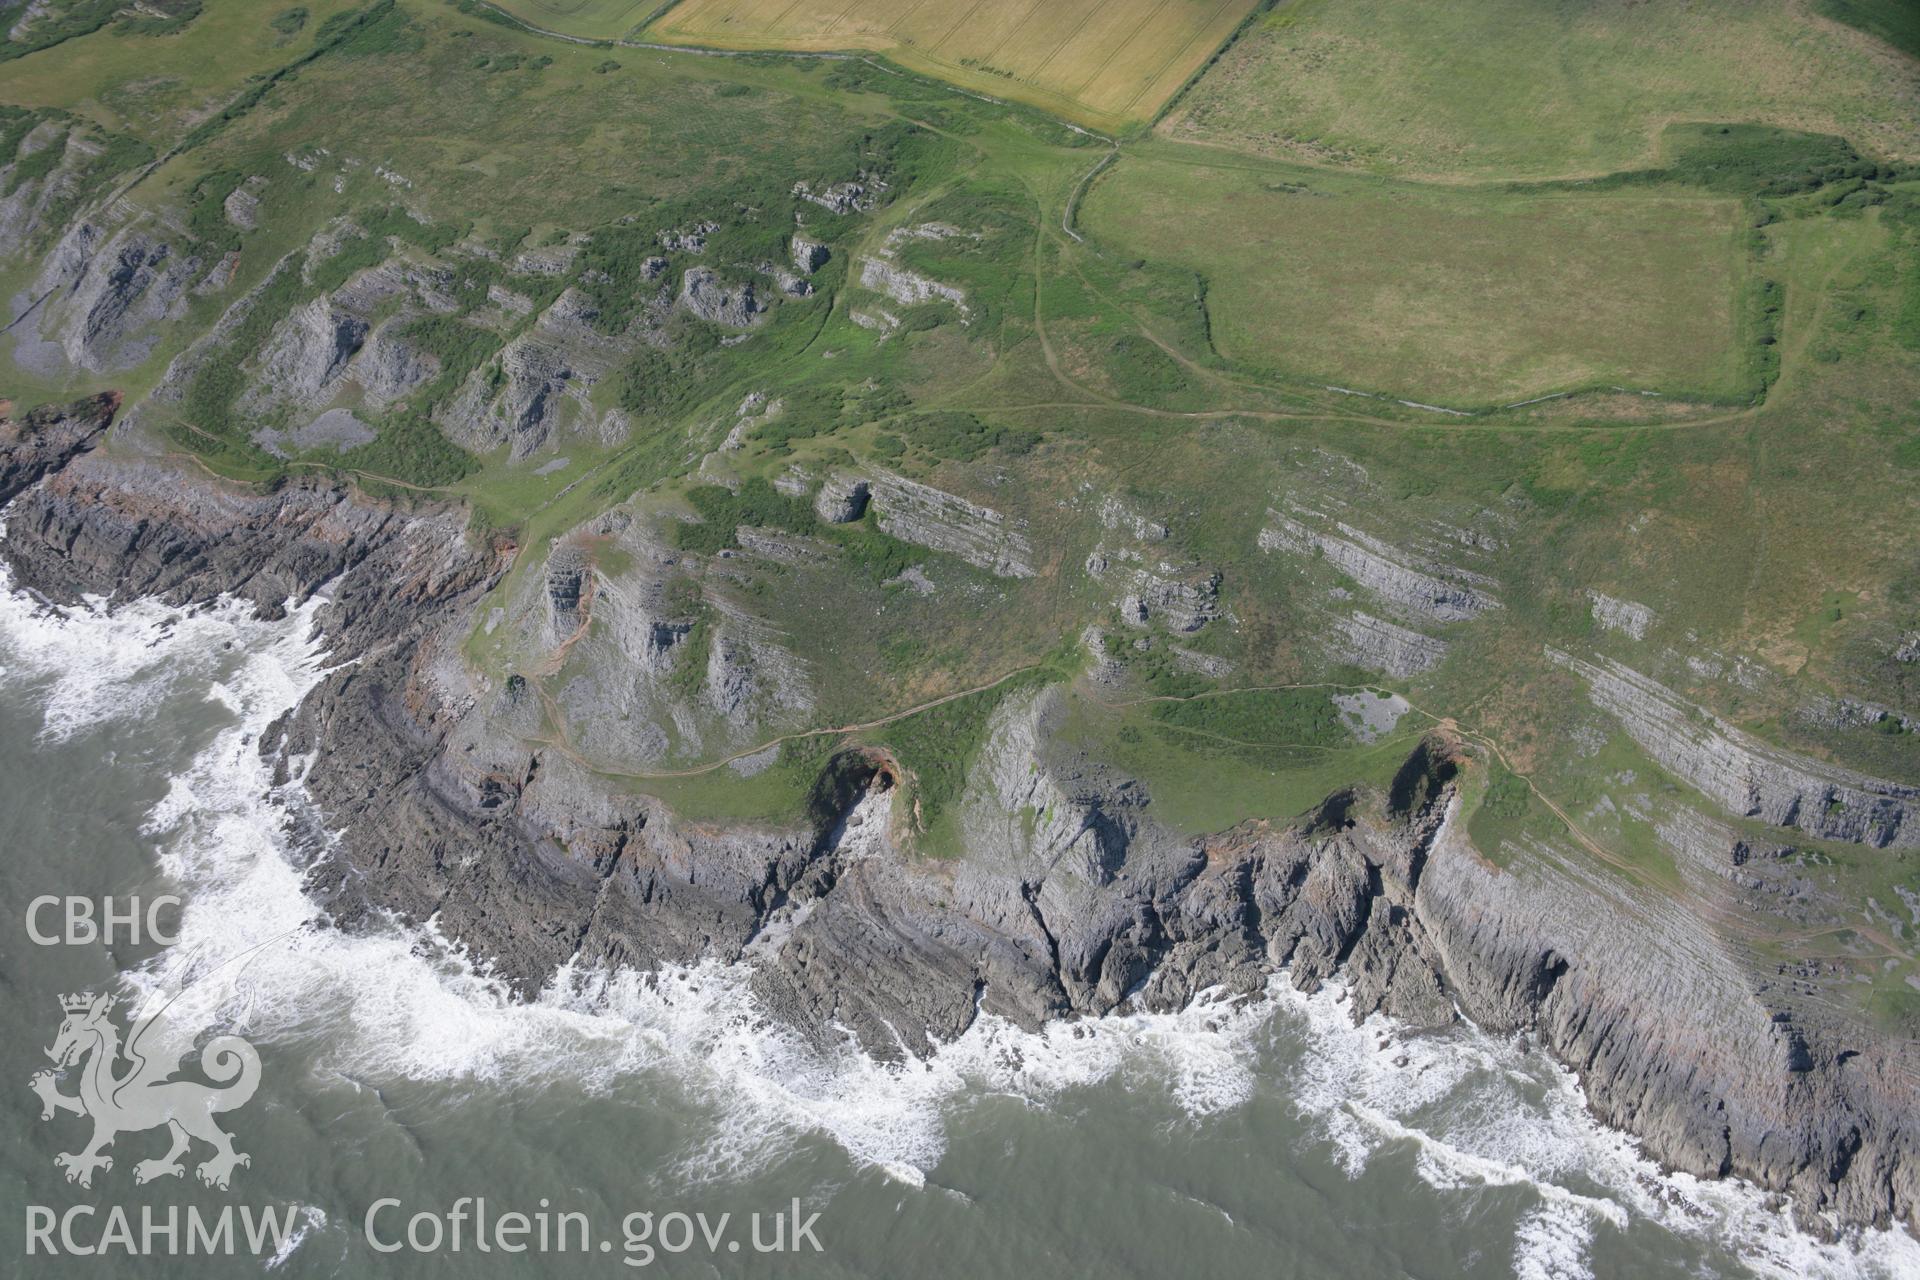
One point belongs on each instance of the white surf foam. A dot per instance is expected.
(1551, 1243)
(400, 1003)
(309, 1219)
(90, 666)
(1479, 1110)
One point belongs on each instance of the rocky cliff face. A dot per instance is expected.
(706, 295)
(121, 529)
(102, 296)
(930, 517)
(1387, 647)
(45, 440)
(1748, 776)
(1071, 900)
(307, 355)
(1672, 1037)
(1431, 591)
(542, 382)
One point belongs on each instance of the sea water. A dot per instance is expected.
(671, 1118)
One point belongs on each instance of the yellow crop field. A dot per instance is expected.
(1106, 63)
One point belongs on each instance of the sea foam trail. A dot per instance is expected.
(400, 1002)
(1480, 1110)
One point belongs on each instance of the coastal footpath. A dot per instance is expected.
(1069, 899)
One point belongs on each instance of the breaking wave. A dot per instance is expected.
(401, 1003)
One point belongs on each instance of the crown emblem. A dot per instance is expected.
(143, 1096)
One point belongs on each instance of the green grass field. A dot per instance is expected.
(1895, 21)
(157, 86)
(1168, 361)
(519, 142)
(587, 19)
(1107, 63)
(1205, 780)
(1540, 88)
(1452, 295)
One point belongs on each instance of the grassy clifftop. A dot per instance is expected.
(1228, 425)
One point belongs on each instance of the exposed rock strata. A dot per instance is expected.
(1154, 587)
(305, 359)
(33, 205)
(1072, 899)
(1751, 778)
(107, 294)
(930, 517)
(46, 439)
(809, 255)
(842, 499)
(1185, 603)
(1627, 616)
(242, 205)
(1386, 647)
(539, 387)
(1671, 1036)
(858, 195)
(733, 306)
(1416, 589)
(125, 528)
(908, 288)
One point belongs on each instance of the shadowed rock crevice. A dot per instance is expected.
(447, 809)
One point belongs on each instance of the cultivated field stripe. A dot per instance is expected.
(1067, 39)
(1042, 36)
(1051, 53)
(841, 17)
(960, 22)
(712, 16)
(1180, 53)
(773, 24)
(895, 29)
(742, 12)
(1144, 22)
(991, 54)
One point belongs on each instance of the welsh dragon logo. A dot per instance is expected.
(142, 1096)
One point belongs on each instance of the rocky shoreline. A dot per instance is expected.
(531, 861)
